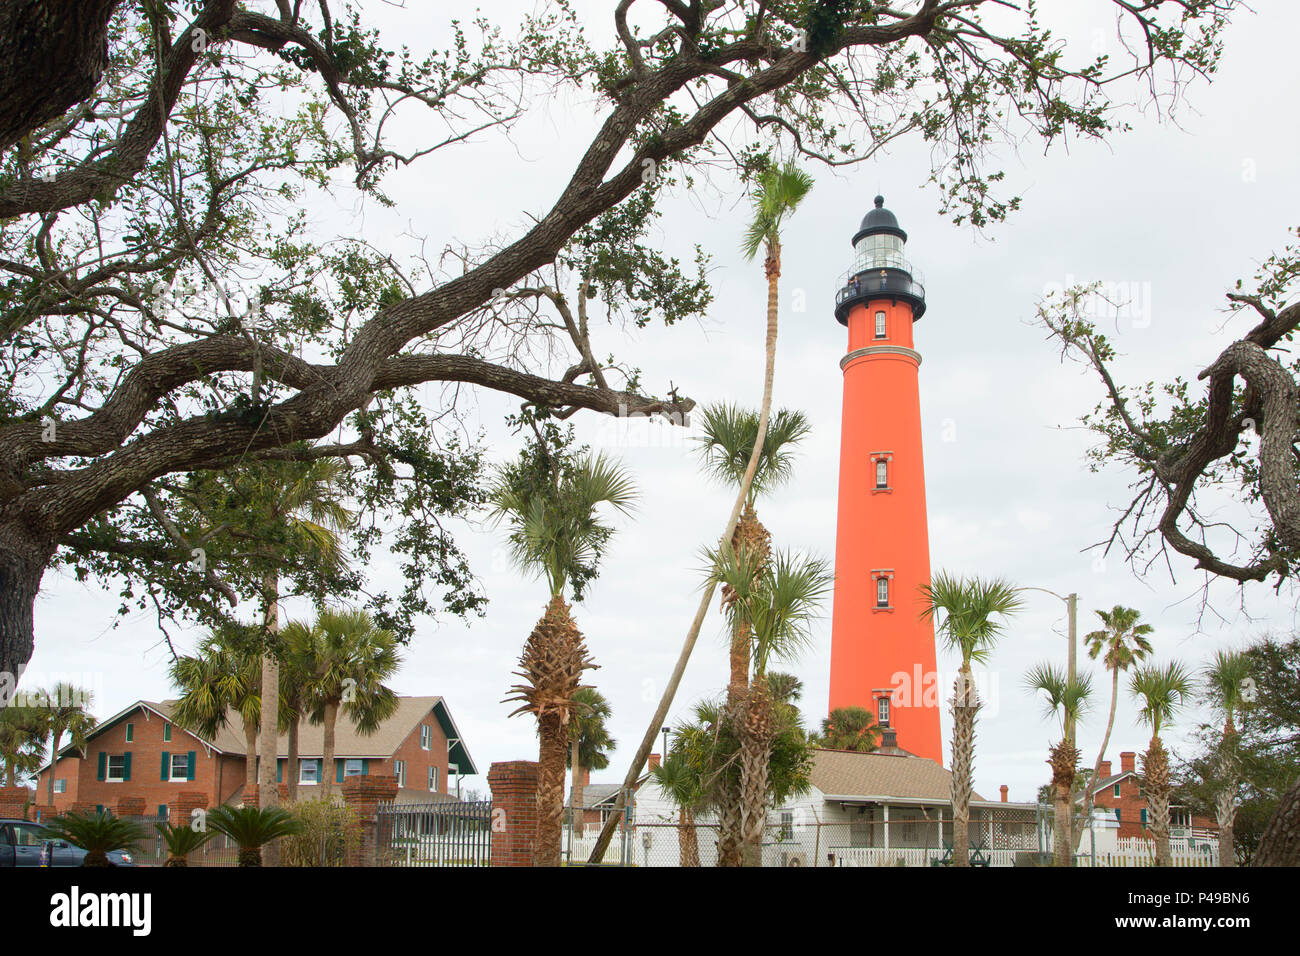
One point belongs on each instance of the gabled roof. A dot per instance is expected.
(411, 711)
(161, 710)
(596, 795)
(849, 775)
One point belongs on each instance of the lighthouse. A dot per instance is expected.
(882, 651)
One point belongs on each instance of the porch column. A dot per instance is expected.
(886, 809)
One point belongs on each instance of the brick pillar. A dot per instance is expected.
(363, 794)
(248, 796)
(130, 807)
(514, 804)
(13, 801)
(183, 807)
(88, 809)
(42, 811)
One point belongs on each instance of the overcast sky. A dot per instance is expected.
(1176, 212)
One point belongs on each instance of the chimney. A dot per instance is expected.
(1127, 761)
(1105, 769)
(1003, 789)
(654, 761)
(586, 776)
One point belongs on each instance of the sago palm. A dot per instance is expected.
(850, 728)
(1067, 699)
(344, 659)
(99, 834)
(1162, 691)
(222, 677)
(779, 599)
(1120, 643)
(556, 531)
(973, 615)
(589, 742)
(66, 709)
(1226, 679)
(251, 828)
(181, 842)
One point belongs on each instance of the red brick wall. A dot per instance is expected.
(214, 775)
(418, 760)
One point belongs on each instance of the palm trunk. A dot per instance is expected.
(755, 755)
(730, 846)
(291, 764)
(1280, 844)
(965, 705)
(329, 719)
(553, 731)
(267, 792)
(1090, 802)
(687, 840)
(1064, 758)
(1155, 773)
(773, 269)
(1226, 801)
(577, 808)
(250, 756)
(56, 734)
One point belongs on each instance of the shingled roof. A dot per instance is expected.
(849, 775)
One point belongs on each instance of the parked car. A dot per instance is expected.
(21, 842)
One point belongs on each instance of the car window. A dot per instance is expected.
(29, 836)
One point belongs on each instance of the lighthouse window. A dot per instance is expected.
(882, 473)
(880, 325)
(882, 592)
(883, 709)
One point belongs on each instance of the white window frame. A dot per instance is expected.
(882, 710)
(316, 768)
(882, 585)
(882, 472)
(60, 784)
(347, 767)
(433, 779)
(880, 325)
(185, 771)
(426, 737)
(399, 771)
(108, 769)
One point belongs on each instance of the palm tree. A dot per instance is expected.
(679, 781)
(223, 677)
(1121, 643)
(1162, 691)
(1067, 698)
(65, 707)
(22, 741)
(252, 828)
(345, 659)
(850, 728)
(556, 532)
(98, 834)
(181, 842)
(778, 192)
(1225, 679)
(968, 628)
(779, 599)
(589, 741)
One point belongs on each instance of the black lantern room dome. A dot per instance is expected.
(879, 221)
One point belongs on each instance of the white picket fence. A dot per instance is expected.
(910, 856)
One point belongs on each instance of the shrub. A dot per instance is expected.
(330, 833)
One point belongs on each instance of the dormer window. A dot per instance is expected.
(880, 325)
(882, 473)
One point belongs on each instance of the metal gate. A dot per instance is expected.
(435, 834)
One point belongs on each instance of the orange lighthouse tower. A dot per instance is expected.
(882, 652)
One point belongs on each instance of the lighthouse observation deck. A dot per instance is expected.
(893, 277)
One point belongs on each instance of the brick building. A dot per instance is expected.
(1122, 794)
(141, 752)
